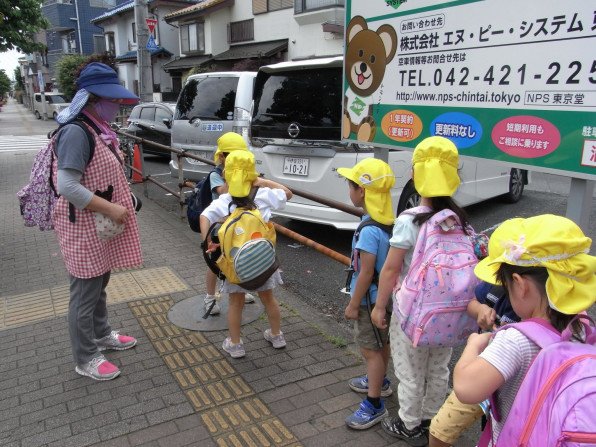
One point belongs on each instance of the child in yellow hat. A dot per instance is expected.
(241, 177)
(544, 265)
(227, 143)
(370, 182)
(423, 372)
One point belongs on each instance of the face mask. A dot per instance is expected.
(106, 109)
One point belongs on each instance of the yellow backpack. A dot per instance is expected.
(247, 246)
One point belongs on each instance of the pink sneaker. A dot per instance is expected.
(116, 342)
(98, 369)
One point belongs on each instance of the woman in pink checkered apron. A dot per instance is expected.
(94, 218)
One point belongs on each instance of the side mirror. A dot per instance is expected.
(167, 122)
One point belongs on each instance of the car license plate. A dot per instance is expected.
(296, 166)
(202, 154)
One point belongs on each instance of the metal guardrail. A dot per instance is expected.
(182, 183)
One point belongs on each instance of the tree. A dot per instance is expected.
(19, 23)
(4, 83)
(65, 73)
(68, 68)
(18, 85)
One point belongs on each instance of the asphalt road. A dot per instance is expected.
(318, 279)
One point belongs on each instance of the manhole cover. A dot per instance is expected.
(188, 314)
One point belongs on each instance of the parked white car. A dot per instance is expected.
(296, 138)
(55, 103)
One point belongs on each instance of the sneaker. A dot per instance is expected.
(396, 428)
(211, 299)
(360, 385)
(235, 351)
(116, 342)
(98, 369)
(248, 298)
(366, 416)
(278, 341)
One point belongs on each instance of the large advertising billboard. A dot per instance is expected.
(506, 80)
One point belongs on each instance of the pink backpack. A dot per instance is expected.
(431, 304)
(556, 402)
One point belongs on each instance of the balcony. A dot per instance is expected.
(307, 12)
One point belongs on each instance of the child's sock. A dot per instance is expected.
(375, 401)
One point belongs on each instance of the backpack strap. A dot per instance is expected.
(79, 121)
(539, 331)
(416, 210)
(369, 221)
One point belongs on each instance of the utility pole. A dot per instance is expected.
(143, 55)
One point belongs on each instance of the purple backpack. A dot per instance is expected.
(431, 304)
(556, 402)
(37, 199)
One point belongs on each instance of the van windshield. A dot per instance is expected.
(310, 98)
(207, 98)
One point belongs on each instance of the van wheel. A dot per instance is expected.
(516, 186)
(37, 115)
(409, 197)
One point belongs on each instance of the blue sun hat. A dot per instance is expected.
(100, 80)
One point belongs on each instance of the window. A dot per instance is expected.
(161, 114)
(312, 98)
(209, 98)
(260, 6)
(241, 31)
(136, 112)
(99, 44)
(134, 32)
(309, 5)
(192, 37)
(102, 3)
(147, 113)
(110, 44)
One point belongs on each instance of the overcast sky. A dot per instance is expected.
(8, 62)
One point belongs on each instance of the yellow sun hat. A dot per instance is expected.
(240, 173)
(376, 177)
(435, 162)
(229, 142)
(549, 241)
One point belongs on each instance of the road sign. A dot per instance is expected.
(151, 24)
(151, 45)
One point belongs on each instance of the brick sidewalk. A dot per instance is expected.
(177, 387)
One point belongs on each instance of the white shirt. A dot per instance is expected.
(267, 199)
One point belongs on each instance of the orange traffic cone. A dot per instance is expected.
(136, 177)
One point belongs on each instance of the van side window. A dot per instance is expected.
(210, 98)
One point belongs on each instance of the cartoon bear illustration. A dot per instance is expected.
(367, 54)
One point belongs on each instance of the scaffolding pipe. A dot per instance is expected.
(312, 244)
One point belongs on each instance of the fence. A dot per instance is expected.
(182, 184)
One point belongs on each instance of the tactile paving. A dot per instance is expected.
(22, 309)
(131, 284)
(122, 287)
(225, 401)
(158, 281)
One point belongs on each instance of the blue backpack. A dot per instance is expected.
(199, 199)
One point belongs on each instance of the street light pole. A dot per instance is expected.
(143, 55)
